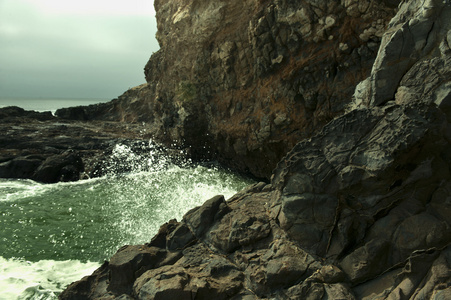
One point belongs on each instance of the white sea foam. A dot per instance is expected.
(41, 280)
(142, 202)
(90, 219)
(19, 189)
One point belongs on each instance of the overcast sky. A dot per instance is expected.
(74, 49)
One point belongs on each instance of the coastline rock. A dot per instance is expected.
(412, 52)
(14, 111)
(48, 149)
(360, 210)
(243, 82)
(64, 167)
(382, 231)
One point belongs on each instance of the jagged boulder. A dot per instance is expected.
(413, 61)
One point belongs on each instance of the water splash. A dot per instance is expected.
(141, 202)
(49, 225)
(153, 185)
(20, 279)
(12, 191)
(140, 156)
(90, 219)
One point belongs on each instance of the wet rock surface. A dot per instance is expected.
(48, 149)
(352, 213)
(360, 210)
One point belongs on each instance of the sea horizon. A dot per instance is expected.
(51, 104)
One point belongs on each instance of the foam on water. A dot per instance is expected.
(20, 279)
(164, 197)
(17, 189)
(62, 231)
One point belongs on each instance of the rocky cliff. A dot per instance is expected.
(361, 210)
(244, 81)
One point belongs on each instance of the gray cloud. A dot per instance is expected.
(64, 55)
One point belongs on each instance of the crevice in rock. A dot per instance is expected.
(336, 219)
(428, 35)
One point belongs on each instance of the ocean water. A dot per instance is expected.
(54, 234)
(48, 104)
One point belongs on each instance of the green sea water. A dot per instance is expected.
(53, 234)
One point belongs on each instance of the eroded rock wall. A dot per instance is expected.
(361, 210)
(246, 80)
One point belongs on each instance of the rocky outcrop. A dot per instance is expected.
(358, 211)
(353, 213)
(411, 61)
(10, 112)
(47, 149)
(244, 81)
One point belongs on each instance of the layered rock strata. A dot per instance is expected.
(244, 81)
(361, 210)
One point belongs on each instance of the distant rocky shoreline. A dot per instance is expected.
(48, 149)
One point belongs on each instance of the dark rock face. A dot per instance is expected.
(244, 81)
(370, 221)
(361, 210)
(44, 148)
(64, 167)
(14, 111)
